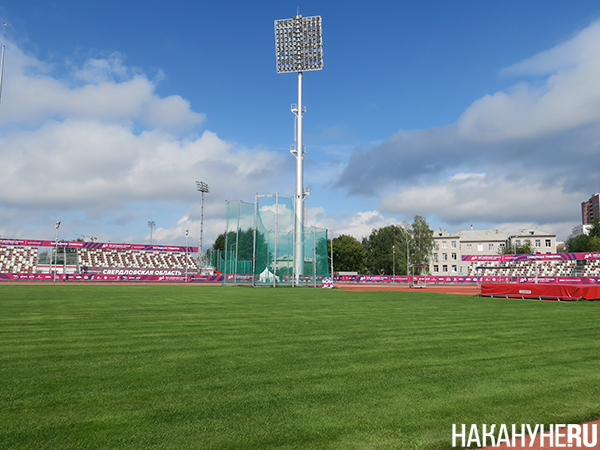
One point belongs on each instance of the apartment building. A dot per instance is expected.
(590, 209)
(449, 248)
(540, 241)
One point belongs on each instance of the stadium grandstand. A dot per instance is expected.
(577, 266)
(94, 261)
(43, 260)
(527, 268)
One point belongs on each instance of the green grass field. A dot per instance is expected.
(186, 367)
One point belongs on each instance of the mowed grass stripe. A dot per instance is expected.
(174, 367)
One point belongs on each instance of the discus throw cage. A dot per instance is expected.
(260, 245)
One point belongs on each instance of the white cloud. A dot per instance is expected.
(567, 99)
(99, 70)
(102, 89)
(81, 164)
(359, 224)
(522, 155)
(479, 198)
(100, 148)
(580, 48)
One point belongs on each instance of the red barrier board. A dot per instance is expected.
(544, 291)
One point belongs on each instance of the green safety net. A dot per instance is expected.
(259, 245)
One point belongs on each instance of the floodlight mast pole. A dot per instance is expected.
(299, 48)
(299, 199)
(203, 188)
(2, 61)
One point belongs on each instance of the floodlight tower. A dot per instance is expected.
(57, 226)
(151, 225)
(299, 48)
(202, 187)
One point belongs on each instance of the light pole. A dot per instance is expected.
(203, 188)
(187, 232)
(57, 226)
(407, 257)
(332, 257)
(299, 48)
(234, 262)
(394, 262)
(151, 225)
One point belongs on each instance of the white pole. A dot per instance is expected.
(2, 61)
(201, 225)
(187, 232)
(332, 257)
(315, 256)
(299, 253)
(276, 238)
(56, 248)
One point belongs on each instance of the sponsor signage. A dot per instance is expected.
(97, 245)
(540, 257)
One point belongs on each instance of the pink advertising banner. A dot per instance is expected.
(540, 257)
(96, 245)
(179, 276)
(108, 277)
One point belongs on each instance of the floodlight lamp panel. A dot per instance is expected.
(202, 187)
(299, 44)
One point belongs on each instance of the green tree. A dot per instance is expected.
(219, 243)
(348, 254)
(594, 244)
(595, 230)
(421, 244)
(379, 247)
(578, 243)
(589, 242)
(244, 248)
(519, 249)
(585, 242)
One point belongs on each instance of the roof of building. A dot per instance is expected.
(482, 235)
(531, 232)
(444, 234)
(489, 235)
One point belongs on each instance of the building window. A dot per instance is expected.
(444, 256)
(548, 243)
(469, 247)
(453, 256)
(444, 245)
(453, 244)
(491, 247)
(445, 268)
(436, 268)
(538, 243)
(518, 242)
(435, 257)
(453, 268)
(479, 247)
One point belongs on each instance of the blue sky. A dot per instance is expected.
(466, 112)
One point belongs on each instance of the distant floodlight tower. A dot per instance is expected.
(57, 226)
(151, 225)
(204, 189)
(299, 48)
(2, 61)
